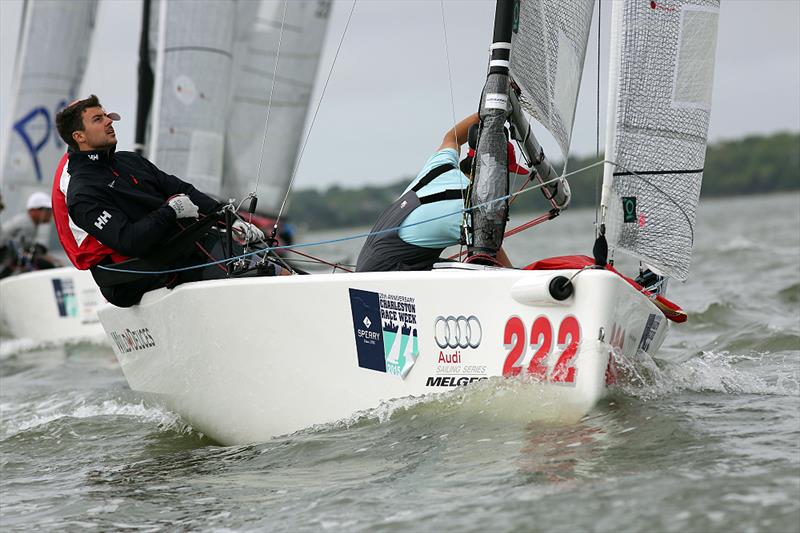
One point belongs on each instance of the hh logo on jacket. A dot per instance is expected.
(102, 219)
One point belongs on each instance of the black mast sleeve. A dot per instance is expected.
(144, 98)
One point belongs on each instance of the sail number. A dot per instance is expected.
(541, 341)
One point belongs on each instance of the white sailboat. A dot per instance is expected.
(344, 343)
(61, 303)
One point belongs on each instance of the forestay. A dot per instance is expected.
(192, 89)
(51, 59)
(256, 58)
(547, 54)
(660, 81)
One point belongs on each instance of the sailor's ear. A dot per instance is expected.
(78, 136)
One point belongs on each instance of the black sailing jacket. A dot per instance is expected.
(120, 199)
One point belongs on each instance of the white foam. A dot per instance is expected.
(50, 410)
(711, 371)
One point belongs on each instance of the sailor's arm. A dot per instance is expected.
(457, 136)
(112, 227)
(172, 185)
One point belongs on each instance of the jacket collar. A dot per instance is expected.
(93, 156)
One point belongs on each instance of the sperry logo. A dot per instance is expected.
(94, 157)
(102, 219)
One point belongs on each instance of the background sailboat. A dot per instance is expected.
(59, 303)
(214, 68)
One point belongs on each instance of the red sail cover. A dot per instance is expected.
(670, 309)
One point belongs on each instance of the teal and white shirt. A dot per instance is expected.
(445, 231)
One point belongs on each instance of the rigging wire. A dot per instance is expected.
(269, 105)
(598, 180)
(313, 118)
(452, 99)
(360, 235)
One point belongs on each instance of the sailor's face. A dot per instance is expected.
(98, 129)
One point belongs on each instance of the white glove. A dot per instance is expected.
(183, 206)
(244, 232)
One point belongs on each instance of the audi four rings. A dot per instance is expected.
(458, 331)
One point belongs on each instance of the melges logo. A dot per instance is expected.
(133, 340)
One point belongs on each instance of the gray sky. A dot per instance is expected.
(388, 102)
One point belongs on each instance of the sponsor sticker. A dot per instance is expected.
(455, 336)
(385, 329)
(64, 292)
(133, 340)
(496, 101)
(649, 333)
(629, 209)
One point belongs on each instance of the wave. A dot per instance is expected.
(721, 372)
(29, 416)
(717, 314)
(790, 294)
(14, 346)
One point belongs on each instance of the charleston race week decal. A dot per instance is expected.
(385, 328)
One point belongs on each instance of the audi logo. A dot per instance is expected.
(457, 331)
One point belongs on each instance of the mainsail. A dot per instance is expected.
(256, 59)
(192, 90)
(54, 46)
(660, 81)
(547, 53)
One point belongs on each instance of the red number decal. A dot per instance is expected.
(514, 329)
(564, 371)
(541, 329)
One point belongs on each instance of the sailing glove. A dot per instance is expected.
(246, 233)
(183, 206)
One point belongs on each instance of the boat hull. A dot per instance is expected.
(249, 359)
(58, 304)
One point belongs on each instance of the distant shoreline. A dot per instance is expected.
(751, 165)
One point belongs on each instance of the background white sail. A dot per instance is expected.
(304, 31)
(547, 55)
(660, 81)
(192, 89)
(53, 50)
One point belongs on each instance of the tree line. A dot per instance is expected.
(752, 165)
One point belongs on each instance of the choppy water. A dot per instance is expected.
(710, 443)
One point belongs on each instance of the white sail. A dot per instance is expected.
(660, 81)
(51, 59)
(192, 90)
(547, 55)
(256, 54)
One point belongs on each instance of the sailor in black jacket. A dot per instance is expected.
(124, 201)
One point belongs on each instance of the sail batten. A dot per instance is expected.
(660, 81)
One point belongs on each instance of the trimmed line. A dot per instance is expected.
(656, 172)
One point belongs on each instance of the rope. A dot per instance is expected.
(389, 230)
(269, 105)
(450, 81)
(358, 235)
(314, 118)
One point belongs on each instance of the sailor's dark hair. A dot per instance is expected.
(70, 119)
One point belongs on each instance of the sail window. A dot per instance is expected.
(694, 71)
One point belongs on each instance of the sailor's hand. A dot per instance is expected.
(183, 206)
(246, 233)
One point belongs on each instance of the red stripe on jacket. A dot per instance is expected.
(82, 249)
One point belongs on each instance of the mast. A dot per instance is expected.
(144, 99)
(491, 161)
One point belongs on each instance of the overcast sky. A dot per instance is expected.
(388, 102)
